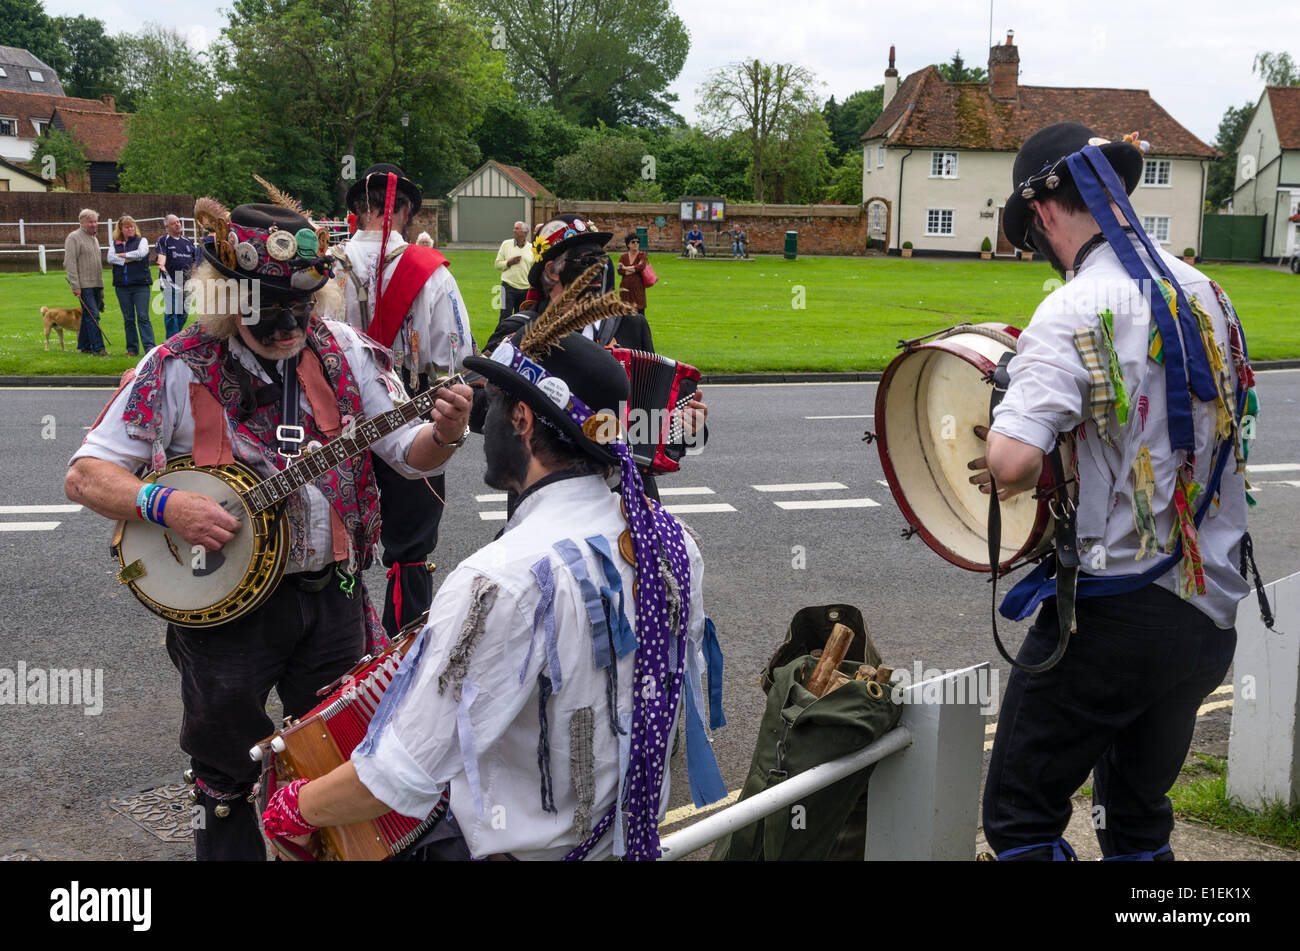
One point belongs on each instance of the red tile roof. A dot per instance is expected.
(102, 134)
(935, 113)
(525, 181)
(31, 105)
(1285, 101)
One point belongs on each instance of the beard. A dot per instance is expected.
(507, 456)
(1044, 247)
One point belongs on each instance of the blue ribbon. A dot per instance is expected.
(468, 691)
(624, 639)
(577, 565)
(394, 694)
(701, 765)
(544, 616)
(713, 662)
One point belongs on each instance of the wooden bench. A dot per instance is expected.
(716, 244)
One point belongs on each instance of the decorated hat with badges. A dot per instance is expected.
(268, 243)
(1040, 168)
(563, 233)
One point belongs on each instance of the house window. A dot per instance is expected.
(1157, 226)
(938, 221)
(36, 75)
(876, 217)
(3, 74)
(39, 126)
(880, 156)
(8, 126)
(1156, 172)
(943, 164)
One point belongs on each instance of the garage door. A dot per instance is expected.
(487, 219)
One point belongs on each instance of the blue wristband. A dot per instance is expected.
(142, 499)
(162, 504)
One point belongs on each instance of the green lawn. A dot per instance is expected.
(812, 314)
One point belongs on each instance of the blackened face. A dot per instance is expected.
(507, 456)
(1043, 245)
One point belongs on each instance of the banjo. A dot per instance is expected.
(192, 587)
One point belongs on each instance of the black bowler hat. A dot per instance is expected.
(1040, 167)
(379, 173)
(549, 382)
(560, 234)
(267, 243)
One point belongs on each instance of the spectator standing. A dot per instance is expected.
(129, 255)
(738, 241)
(514, 258)
(630, 265)
(176, 254)
(85, 273)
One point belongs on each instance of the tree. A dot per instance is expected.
(846, 182)
(848, 120)
(62, 156)
(798, 166)
(345, 70)
(1276, 69)
(153, 53)
(590, 59)
(1223, 170)
(764, 101)
(24, 23)
(91, 57)
(601, 170)
(956, 71)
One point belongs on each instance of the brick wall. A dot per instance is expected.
(823, 229)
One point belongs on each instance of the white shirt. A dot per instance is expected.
(438, 315)
(420, 749)
(1049, 394)
(109, 440)
(141, 251)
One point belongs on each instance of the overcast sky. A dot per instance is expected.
(1193, 55)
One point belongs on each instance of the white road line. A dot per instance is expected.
(829, 504)
(1273, 467)
(492, 516)
(687, 490)
(801, 487)
(699, 507)
(884, 482)
(37, 509)
(491, 497)
(866, 416)
(28, 526)
(1294, 483)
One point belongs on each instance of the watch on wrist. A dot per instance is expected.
(450, 445)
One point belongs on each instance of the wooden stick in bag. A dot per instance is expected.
(837, 645)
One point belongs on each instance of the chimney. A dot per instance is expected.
(1004, 70)
(110, 101)
(891, 80)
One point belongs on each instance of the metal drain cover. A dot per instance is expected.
(166, 812)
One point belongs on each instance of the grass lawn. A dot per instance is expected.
(1201, 796)
(812, 314)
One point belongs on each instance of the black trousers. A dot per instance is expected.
(512, 299)
(297, 642)
(1122, 702)
(409, 512)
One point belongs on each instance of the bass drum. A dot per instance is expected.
(930, 399)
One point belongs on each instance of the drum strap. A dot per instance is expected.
(1067, 555)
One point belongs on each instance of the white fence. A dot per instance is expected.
(924, 795)
(42, 251)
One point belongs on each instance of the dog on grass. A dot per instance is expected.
(60, 319)
(692, 251)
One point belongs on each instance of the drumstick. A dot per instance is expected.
(837, 645)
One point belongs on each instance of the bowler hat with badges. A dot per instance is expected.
(378, 174)
(574, 367)
(270, 244)
(1040, 168)
(563, 233)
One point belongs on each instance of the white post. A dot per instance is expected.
(1264, 747)
(22, 231)
(923, 802)
(40, 256)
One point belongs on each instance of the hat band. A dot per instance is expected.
(507, 354)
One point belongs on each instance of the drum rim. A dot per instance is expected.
(982, 363)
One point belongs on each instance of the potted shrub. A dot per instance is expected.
(986, 249)
(1189, 255)
(907, 249)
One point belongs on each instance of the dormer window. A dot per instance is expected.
(36, 75)
(3, 74)
(8, 126)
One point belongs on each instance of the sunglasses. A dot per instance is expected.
(298, 310)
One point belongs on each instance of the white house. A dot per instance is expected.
(937, 163)
(1268, 169)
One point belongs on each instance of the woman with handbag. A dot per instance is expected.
(637, 274)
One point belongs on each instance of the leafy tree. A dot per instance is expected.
(154, 52)
(798, 165)
(698, 185)
(24, 23)
(764, 101)
(1277, 69)
(592, 60)
(644, 190)
(90, 55)
(63, 155)
(956, 71)
(601, 170)
(848, 120)
(1223, 170)
(846, 182)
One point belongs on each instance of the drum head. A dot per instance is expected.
(929, 402)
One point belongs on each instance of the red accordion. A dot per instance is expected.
(659, 389)
(324, 738)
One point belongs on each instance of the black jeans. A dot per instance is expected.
(297, 642)
(512, 298)
(410, 513)
(89, 337)
(1122, 702)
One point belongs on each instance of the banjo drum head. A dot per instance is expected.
(929, 402)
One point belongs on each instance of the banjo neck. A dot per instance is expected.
(355, 439)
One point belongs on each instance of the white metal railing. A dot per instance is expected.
(924, 794)
(188, 227)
